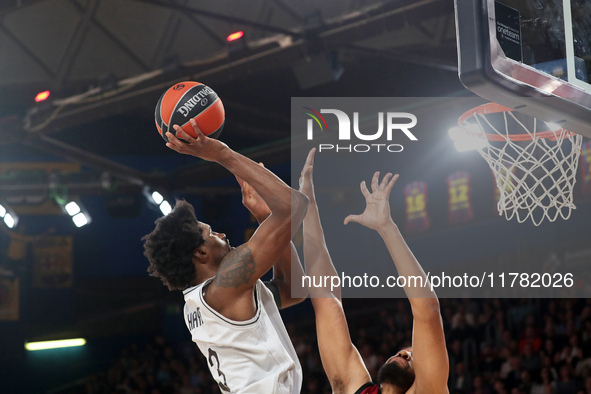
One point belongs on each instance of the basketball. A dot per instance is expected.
(190, 100)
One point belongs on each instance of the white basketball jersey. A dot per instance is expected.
(251, 357)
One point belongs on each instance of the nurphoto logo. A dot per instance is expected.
(390, 126)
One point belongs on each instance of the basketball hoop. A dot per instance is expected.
(535, 171)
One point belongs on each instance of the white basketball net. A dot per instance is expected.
(535, 170)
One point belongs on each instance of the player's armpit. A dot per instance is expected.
(341, 361)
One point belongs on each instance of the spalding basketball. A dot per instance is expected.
(190, 100)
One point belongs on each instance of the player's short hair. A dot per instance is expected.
(170, 246)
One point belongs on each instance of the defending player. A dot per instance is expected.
(422, 368)
(231, 314)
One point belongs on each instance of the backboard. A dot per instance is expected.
(533, 56)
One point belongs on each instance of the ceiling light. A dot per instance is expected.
(42, 96)
(72, 208)
(7, 214)
(465, 141)
(156, 198)
(80, 219)
(165, 207)
(78, 213)
(553, 126)
(44, 345)
(235, 36)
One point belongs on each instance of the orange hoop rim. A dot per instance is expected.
(493, 108)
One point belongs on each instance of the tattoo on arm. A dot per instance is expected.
(236, 269)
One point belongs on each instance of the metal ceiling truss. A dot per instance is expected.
(272, 53)
(281, 50)
(217, 16)
(8, 6)
(89, 13)
(76, 41)
(26, 50)
(404, 57)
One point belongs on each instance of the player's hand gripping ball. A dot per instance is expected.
(190, 100)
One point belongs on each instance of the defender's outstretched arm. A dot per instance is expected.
(342, 362)
(431, 363)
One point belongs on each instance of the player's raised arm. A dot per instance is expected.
(340, 359)
(288, 265)
(243, 266)
(429, 354)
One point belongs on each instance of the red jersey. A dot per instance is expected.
(369, 388)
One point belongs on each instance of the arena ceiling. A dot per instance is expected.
(106, 62)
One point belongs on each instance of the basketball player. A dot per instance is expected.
(232, 316)
(422, 368)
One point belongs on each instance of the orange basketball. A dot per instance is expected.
(190, 100)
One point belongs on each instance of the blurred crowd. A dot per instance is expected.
(495, 346)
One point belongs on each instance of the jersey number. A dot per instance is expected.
(212, 355)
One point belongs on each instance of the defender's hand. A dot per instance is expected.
(377, 209)
(306, 180)
(252, 201)
(204, 147)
